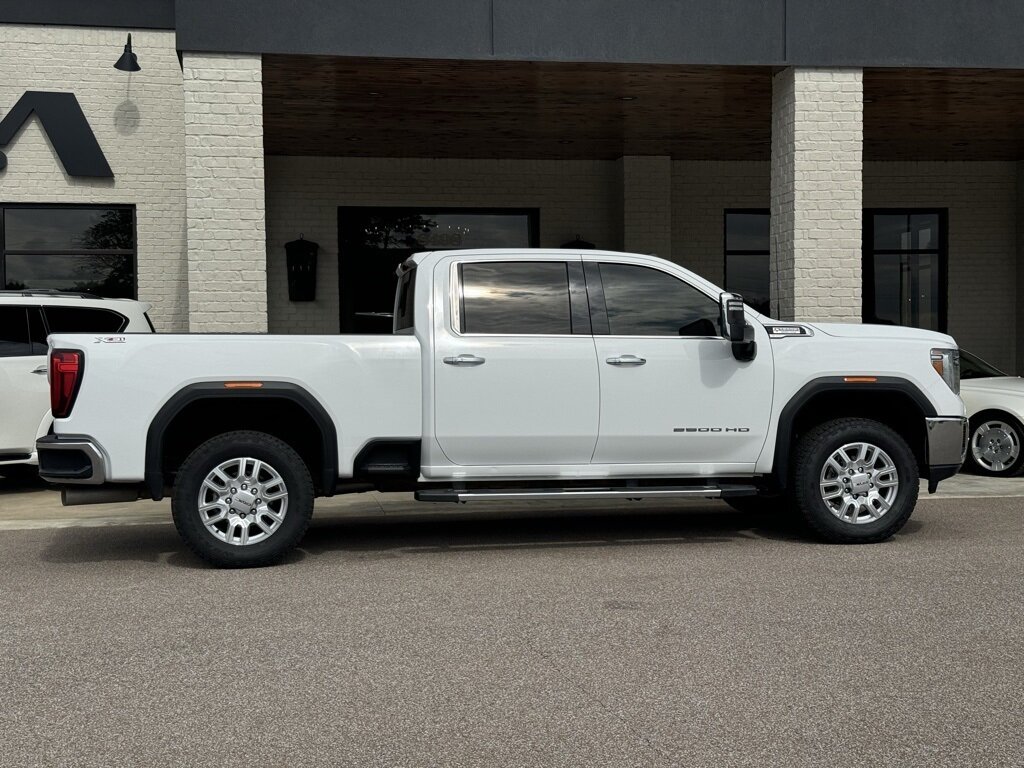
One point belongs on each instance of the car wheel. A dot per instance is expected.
(242, 499)
(995, 447)
(854, 481)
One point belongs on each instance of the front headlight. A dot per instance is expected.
(946, 363)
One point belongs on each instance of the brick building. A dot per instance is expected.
(841, 159)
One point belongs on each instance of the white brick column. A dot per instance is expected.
(647, 204)
(227, 245)
(816, 194)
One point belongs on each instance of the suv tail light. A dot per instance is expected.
(65, 378)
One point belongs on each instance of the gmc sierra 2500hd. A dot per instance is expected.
(527, 374)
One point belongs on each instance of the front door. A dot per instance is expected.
(24, 393)
(671, 390)
(373, 241)
(515, 371)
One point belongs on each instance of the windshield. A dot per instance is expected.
(972, 367)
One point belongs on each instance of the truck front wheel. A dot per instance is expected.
(854, 481)
(242, 499)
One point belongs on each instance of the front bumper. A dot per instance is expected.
(947, 447)
(70, 459)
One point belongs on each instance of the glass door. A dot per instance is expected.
(373, 241)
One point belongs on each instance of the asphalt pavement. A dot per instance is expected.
(662, 634)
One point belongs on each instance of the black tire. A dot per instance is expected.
(812, 452)
(292, 472)
(1016, 467)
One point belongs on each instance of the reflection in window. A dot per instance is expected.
(515, 298)
(69, 248)
(648, 302)
(746, 257)
(904, 269)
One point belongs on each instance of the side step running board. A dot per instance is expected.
(564, 494)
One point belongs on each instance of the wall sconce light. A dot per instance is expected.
(128, 62)
(301, 266)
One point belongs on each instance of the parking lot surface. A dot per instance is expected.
(669, 634)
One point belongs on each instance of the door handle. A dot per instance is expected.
(464, 360)
(625, 360)
(41, 370)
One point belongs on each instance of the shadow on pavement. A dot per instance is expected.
(390, 538)
(17, 479)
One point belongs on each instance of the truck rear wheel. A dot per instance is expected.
(854, 481)
(242, 499)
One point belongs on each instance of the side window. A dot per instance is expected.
(84, 320)
(641, 301)
(515, 297)
(14, 337)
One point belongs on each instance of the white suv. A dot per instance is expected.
(26, 318)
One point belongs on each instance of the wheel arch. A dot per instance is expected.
(897, 402)
(988, 412)
(307, 423)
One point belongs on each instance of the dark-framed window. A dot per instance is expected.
(906, 266)
(85, 248)
(643, 301)
(374, 240)
(747, 256)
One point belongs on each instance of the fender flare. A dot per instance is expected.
(209, 390)
(784, 431)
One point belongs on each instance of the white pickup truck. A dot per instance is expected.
(529, 374)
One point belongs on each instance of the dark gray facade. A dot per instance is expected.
(863, 33)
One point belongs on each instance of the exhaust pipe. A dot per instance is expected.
(74, 497)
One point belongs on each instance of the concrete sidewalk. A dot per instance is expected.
(28, 505)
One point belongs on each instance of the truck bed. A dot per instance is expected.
(370, 386)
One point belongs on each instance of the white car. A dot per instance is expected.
(995, 405)
(26, 318)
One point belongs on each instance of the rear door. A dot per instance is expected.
(515, 370)
(24, 393)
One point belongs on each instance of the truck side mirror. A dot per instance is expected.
(734, 327)
(733, 318)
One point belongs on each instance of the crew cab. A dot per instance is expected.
(512, 374)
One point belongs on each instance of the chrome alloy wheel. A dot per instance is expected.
(995, 445)
(859, 483)
(243, 501)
